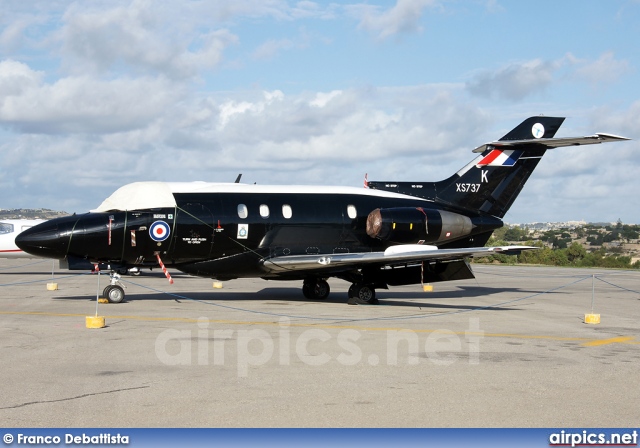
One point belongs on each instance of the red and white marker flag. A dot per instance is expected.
(166, 273)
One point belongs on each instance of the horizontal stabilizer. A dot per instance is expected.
(551, 142)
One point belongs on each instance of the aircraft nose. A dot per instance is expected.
(46, 239)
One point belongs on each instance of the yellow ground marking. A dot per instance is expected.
(619, 340)
(587, 342)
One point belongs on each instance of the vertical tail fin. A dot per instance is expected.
(492, 181)
(534, 128)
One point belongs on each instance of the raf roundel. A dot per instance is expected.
(159, 231)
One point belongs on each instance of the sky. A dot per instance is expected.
(95, 95)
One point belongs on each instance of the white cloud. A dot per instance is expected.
(277, 9)
(323, 98)
(326, 137)
(626, 122)
(141, 35)
(230, 108)
(12, 35)
(520, 80)
(272, 47)
(79, 104)
(16, 78)
(403, 17)
(514, 81)
(606, 69)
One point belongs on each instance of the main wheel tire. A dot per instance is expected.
(114, 293)
(364, 294)
(318, 290)
(322, 290)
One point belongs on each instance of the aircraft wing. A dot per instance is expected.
(552, 142)
(395, 255)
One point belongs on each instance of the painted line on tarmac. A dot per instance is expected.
(618, 340)
(587, 342)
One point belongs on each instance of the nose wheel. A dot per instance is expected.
(114, 292)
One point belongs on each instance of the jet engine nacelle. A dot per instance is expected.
(411, 225)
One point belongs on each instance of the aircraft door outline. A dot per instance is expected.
(193, 232)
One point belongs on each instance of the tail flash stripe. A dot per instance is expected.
(499, 157)
(511, 160)
(490, 157)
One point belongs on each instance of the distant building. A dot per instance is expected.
(544, 226)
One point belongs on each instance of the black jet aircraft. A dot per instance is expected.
(389, 233)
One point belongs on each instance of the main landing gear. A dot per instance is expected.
(315, 288)
(359, 293)
(114, 292)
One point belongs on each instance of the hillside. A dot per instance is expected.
(27, 213)
(602, 244)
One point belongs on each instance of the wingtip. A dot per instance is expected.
(607, 136)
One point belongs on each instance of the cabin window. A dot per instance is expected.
(243, 212)
(5, 227)
(264, 211)
(286, 211)
(352, 212)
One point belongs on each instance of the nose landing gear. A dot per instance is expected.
(114, 292)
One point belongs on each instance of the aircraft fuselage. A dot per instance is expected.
(227, 235)
(9, 229)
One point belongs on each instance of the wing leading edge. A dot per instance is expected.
(395, 255)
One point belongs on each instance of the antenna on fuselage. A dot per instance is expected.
(238, 179)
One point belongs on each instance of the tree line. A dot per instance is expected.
(559, 248)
